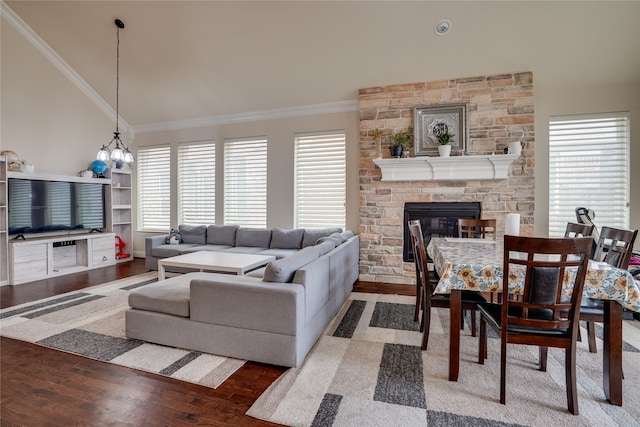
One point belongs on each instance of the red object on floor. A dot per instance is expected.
(120, 244)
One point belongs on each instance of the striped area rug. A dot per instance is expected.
(90, 323)
(368, 370)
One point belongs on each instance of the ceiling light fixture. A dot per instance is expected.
(120, 152)
(442, 27)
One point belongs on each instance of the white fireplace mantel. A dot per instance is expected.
(446, 168)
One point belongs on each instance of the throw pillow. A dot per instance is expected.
(193, 233)
(286, 239)
(222, 234)
(311, 235)
(254, 237)
(283, 270)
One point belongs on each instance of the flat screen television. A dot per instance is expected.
(41, 206)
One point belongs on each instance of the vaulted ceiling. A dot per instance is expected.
(184, 60)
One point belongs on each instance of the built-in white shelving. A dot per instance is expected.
(120, 202)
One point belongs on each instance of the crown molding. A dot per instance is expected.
(276, 113)
(52, 56)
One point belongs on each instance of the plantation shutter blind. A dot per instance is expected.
(245, 182)
(197, 183)
(320, 180)
(589, 167)
(154, 188)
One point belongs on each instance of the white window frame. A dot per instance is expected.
(197, 182)
(589, 167)
(245, 181)
(153, 180)
(320, 180)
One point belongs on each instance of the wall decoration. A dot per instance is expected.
(452, 117)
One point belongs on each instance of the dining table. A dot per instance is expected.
(476, 265)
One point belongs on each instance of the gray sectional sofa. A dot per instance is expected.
(231, 238)
(273, 315)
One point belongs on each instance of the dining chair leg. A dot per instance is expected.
(473, 323)
(503, 370)
(543, 358)
(572, 389)
(426, 322)
(591, 333)
(482, 348)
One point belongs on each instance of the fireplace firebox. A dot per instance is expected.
(437, 219)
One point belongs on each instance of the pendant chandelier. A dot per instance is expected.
(120, 153)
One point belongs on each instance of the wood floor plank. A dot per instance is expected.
(46, 387)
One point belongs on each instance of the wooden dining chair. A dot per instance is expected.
(425, 296)
(541, 314)
(477, 228)
(578, 230)
(614, 247)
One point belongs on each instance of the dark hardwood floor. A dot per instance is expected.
(44, 387)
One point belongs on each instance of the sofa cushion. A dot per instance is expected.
(193, 233)
(168, 296)
(326, 246)
(282, 270)
(164, 251)
(222, 235)
(210, 248)
(244, 249)
(286, 239)
(335, 237)
(279, 253)
(311, 235)
(346, 235)
(257, 237)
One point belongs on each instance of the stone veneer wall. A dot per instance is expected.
(500, 110)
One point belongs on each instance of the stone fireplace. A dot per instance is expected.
(500, 110)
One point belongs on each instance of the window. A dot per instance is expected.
(320, 180)
(245, 182)
(154, 189)
(589, 167)
(197, 183)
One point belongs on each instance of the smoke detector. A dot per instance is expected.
(442, 27)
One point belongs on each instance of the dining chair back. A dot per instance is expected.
(545, 312)
(578, 230)
(426, 282)
(614, 247)
(480, 228)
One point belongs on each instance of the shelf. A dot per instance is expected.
(489, 167)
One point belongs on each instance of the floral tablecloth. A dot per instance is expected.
(476, 264)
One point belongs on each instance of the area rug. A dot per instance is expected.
(368, 370)
(91, 323)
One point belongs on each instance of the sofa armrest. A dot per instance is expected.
(248, 303)
(152, 242)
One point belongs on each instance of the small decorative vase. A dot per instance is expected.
(396, 152)
(444, 150)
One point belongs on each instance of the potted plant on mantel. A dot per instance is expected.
(399, 141)
(441, 132)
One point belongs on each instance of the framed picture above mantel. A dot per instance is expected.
(437, 119)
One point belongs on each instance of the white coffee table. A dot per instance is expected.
(215, 261)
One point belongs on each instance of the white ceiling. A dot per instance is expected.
(183, 60)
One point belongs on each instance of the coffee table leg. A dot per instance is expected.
(161, 272)
(454, 334)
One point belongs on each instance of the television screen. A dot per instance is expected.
(37, 206)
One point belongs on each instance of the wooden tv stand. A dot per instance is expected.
(46, 257)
